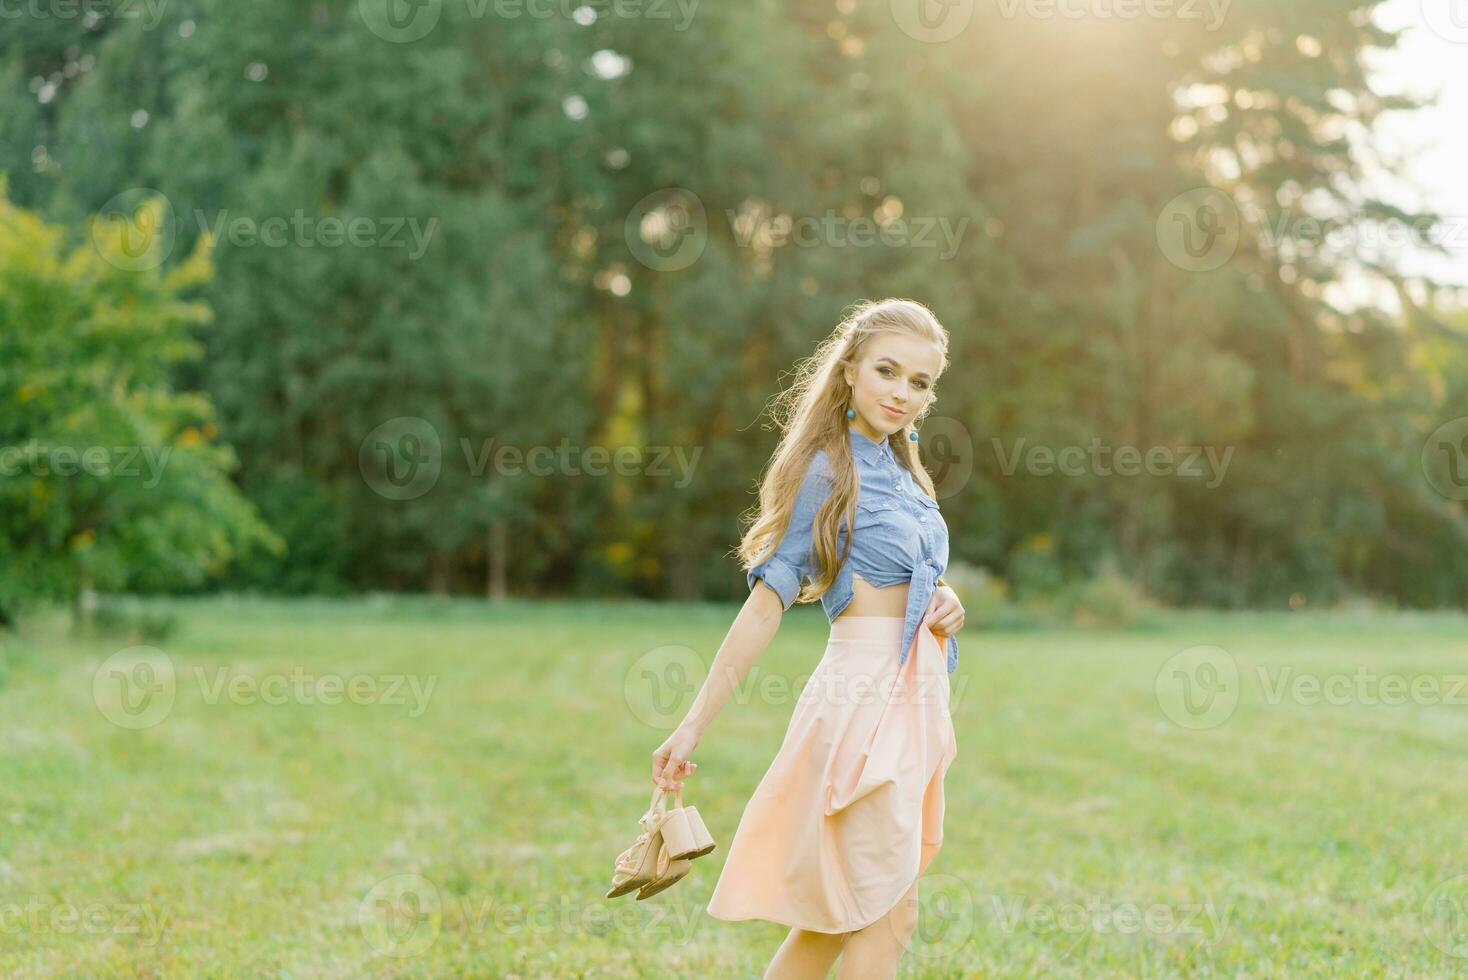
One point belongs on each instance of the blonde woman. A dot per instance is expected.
(850, 812)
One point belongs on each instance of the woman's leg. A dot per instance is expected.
(872, 953)
(805, 955)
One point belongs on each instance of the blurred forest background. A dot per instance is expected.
(553, 161)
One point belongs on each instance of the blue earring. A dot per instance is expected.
(851, 413)
(913, 435)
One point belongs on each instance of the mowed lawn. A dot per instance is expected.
(418, 787)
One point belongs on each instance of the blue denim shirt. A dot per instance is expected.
(900, 538)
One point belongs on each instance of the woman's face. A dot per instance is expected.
(892, 383)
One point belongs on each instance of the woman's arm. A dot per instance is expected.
(754, 627)
(774, 584)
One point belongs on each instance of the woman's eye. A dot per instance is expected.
(885, 371)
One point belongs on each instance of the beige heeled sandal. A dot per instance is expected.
(663, 852)
(684, 834)
(637, 866)
(669, 872)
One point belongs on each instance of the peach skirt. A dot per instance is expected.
(850, 812)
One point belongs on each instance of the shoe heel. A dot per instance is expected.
(678, 835)
(703, 841)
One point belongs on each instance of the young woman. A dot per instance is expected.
(850, 812)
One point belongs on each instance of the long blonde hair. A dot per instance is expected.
(811, 413)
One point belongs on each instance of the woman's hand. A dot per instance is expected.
(945, 612)
(670, 765)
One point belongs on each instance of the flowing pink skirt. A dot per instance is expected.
(850, 812)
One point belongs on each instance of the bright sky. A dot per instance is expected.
(1432, 58)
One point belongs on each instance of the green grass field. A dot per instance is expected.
(458, 812)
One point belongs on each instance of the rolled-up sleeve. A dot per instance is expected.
(784, 570)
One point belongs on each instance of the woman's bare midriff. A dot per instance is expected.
(868, 600)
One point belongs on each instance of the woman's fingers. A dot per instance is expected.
(667, 770)
(673, 778)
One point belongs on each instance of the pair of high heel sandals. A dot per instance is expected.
(663, 853)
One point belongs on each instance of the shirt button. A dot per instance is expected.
(923, 519)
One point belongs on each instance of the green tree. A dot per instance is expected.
(111, 478)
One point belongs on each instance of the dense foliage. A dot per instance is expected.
(616, 225)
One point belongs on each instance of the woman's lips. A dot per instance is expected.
(892, 413)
